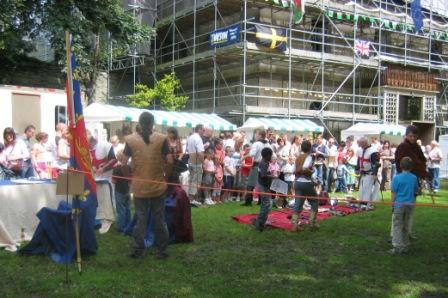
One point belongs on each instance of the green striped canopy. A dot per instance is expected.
(363, 129)
(283, 124)
(107, 113)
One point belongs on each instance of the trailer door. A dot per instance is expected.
(25, 111)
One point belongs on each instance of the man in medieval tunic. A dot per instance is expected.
(369, 163)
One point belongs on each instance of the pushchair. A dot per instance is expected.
(5, 173)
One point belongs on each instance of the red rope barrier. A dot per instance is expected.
(350, 200)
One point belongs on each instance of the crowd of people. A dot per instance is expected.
(33, 154)
(230, 166)
(224, 165)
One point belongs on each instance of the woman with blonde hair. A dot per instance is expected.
(41, 156)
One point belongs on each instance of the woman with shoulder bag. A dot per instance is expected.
(304, 187)
(15, 151)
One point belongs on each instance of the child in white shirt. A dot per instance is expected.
(229, 172)
(288, 171)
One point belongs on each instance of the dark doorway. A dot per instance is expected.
(410, 108)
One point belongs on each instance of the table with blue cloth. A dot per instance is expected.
(20, 200)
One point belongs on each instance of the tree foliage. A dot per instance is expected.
(18, 19)
(163, 91)
(92, 23)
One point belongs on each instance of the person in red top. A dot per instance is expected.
(103, 156)
(219, 151)
(341, 153)
(247, 162)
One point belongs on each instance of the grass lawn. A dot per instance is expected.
(347, 257)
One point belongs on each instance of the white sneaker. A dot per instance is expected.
(209, 202)
(195, 203)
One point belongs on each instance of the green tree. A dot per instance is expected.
(18, 19)
(164, 90)
(93, 25)
(90, 23)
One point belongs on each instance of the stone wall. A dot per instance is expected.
(33, 74)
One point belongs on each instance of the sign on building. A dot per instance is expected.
(225, 36)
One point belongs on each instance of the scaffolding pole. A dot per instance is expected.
(355, 27)
(214, 58)
(380, 42)
(290, 64)
(244, 60)
(194, 56)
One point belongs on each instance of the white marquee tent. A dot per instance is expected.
(391, 132)
(282, 125)
(96, 113)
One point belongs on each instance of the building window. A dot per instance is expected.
(429, 108)
(60, 115)
(390, 107)
(410, 108)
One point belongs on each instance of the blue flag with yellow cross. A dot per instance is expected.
(272, 38)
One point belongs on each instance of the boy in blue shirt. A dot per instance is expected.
(404, 190)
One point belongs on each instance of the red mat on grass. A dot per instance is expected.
(281, 219)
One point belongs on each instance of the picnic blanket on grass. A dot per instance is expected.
(281, 219)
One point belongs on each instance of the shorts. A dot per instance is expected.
(208, 179)
(195, 178)
(243, 182)
(216, 192)
(228, 182)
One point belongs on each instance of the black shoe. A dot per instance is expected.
(257, 227)
(162, 256)
(136, 254)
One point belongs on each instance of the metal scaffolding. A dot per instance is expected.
(320, 75)
(138, 55)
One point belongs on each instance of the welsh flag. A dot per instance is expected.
(298, 10)
(297, 6)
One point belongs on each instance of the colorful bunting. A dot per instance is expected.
(298, 8)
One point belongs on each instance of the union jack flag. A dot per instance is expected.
(362, 47)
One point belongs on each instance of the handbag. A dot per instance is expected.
(179, 166)
(15, 165)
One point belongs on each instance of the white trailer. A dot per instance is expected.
(41, 107)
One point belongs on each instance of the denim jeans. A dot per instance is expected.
(157, 207)
(393, 171)
(27, 169)
(330, 175)
(304, 189)
(435, 177)
(123, 205)
(266, 202)
(320, 175)
(341, 184)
